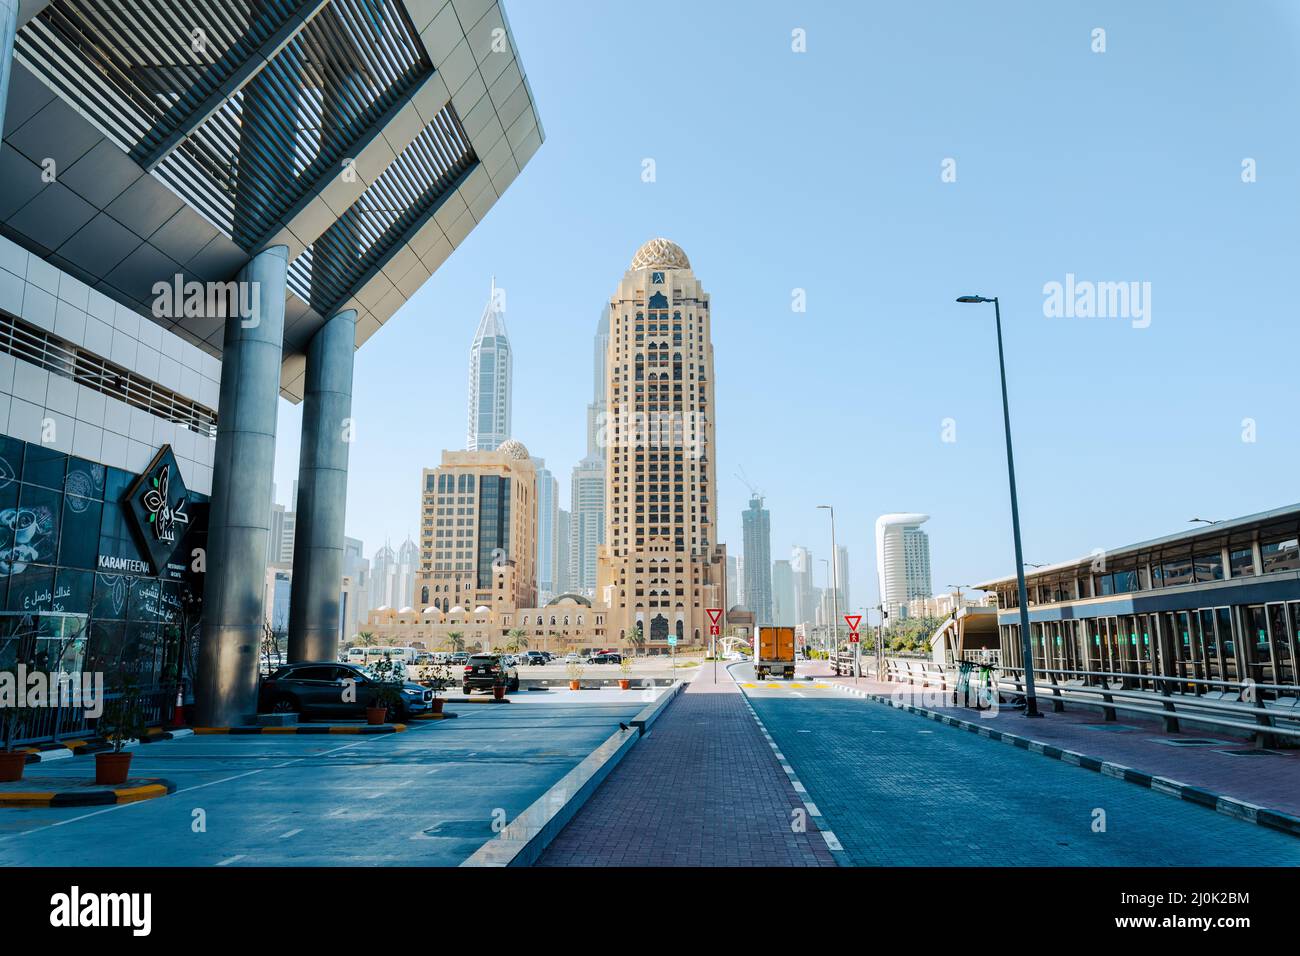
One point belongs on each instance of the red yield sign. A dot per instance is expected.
(853, 620)
(715, 614)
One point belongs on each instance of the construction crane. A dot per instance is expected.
(744, 480)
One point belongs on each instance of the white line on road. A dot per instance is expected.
(229, 860)
(290, 833)
(198, 786)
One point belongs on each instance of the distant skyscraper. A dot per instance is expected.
(600, 381)
(563, 532)
(782, 594)
(757, 522)
(548, 541)
(842, 576)
(587, 485)
(587, 524)
(490, 365)
(902, 561)
(356, 603)
(383, 568)
(734, 596)
(805, 591)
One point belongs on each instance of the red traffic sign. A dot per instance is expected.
(714, 630)
(715, 614)
(853, 621)
(854, 638)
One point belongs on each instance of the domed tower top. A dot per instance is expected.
(514, 449)
(660, 254)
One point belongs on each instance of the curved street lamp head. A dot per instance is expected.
(973, 298)
(828, 507)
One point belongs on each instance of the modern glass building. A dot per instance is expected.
(1217, 602)
(202, 218)
(491, 374)
(902, 561)
(757, 527)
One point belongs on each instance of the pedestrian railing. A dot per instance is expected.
(54, 723)
(1271, 712)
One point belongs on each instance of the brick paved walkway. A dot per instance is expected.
(703, 789)
(1268, 781)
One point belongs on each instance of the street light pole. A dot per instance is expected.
(1026, 645)
(835, 589)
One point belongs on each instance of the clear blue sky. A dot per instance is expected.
(821, 171)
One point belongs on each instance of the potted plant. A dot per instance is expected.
(122, 721)
(574, 670)
(12, 720)
(625, 666)
(499, 684)
(387, 676)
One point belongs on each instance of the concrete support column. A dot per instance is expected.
(8, 29)
(322, 492)
(240, 513)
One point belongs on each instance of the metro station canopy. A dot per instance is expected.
(367, 136)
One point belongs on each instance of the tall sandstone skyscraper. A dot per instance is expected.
(661, 565)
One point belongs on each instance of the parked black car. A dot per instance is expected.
(484, 670)
(535, 658)
(607, 659)
(319, 689)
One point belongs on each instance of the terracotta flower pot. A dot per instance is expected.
(11, 765)
(624, 683)
(435, 706)
(112, 768)
(376, 715)
(498, 691)
(575, 685)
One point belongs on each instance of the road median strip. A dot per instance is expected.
(252, 730)
(524, 838)
(1229, 806)
(95, 745)
(86, 796)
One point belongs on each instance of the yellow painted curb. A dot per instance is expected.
(26, 799)
(136, 794)
(212, 730)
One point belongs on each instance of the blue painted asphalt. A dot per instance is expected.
(898, 790)
(426, 797)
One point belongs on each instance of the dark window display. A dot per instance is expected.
(74, 562)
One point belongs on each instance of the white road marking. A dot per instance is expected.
(290, 833)
(233, 859)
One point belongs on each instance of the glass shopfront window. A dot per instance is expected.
(73, 563)
(1227, 643)
(1209, 566)
(1282, 642)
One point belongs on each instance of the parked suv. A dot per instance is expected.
(483, 670)
(607, 658)
(318, 689)
(535, 658)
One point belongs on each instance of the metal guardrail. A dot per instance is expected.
(49, 724)
(1271, 718)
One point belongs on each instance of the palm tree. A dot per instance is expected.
(455, 641)
(637, 638)
(518, 640)
(367, 639)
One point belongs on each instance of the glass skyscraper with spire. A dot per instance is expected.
(490, 367)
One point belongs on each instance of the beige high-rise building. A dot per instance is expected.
(661, 565)
(478, 531)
